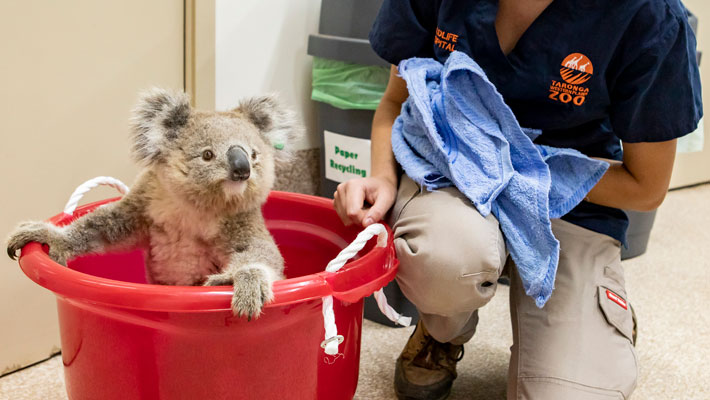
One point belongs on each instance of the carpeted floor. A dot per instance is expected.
(668, 287)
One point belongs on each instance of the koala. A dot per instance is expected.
(196, 204)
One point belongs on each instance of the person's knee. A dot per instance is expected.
(448, 268)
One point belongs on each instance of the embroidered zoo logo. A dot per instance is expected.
(575, 70)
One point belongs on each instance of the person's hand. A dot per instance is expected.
(349, 200)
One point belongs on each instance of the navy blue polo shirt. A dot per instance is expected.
(588, 73)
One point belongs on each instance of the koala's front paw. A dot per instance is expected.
(252, 288)
(35, 231)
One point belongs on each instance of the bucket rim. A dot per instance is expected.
(68, 283)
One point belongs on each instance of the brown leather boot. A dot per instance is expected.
(426, 369)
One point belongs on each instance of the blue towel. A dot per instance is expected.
(455, 129)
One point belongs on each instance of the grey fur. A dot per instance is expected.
(157, 118)
(276, 123)
(198, 225)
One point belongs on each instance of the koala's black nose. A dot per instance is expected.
(239, 168)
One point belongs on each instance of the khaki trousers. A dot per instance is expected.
(579, 346)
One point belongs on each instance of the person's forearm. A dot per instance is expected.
(619, 188)
(383, 162)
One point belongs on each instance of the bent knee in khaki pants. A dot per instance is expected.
(579, 346)
(450, 258)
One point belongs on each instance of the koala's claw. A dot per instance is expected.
(12, 253)
(25, 233)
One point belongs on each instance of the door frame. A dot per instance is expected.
(200, 53)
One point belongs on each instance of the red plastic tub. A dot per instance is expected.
(125, 339)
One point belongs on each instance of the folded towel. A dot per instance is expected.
(455, 129)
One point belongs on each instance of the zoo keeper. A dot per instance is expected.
(616, 80)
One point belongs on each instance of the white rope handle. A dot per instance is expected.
(332, 339)
(388, 311)
(90, 184)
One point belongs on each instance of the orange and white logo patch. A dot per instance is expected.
(576, 69)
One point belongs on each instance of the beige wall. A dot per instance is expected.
(70, 72)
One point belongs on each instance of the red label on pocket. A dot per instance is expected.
(616, 298)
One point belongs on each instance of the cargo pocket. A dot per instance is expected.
(617, 311)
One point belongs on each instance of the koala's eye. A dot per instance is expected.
(253, 154)
(207, 155)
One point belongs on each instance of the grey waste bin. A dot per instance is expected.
(640, 224)
(343, 36)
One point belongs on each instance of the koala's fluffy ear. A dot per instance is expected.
(278, 125)
(156, 120)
